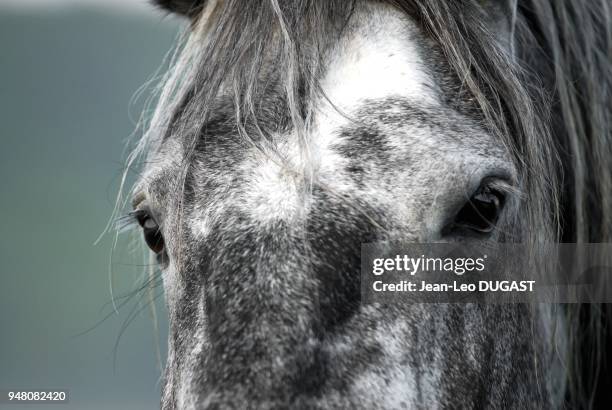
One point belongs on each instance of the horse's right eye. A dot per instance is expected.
(151, 231)
(481, 212)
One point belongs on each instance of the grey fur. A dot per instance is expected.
(263, 313)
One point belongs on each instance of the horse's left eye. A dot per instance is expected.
(151, 231)
(481, 212)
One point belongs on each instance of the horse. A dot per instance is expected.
(288, 133)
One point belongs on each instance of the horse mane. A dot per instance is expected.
(571, 44)
(575, 40)
(548, 100)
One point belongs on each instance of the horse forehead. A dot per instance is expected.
(378, 93)
(380, 55)
(379, 58)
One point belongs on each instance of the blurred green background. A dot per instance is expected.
(67, 77)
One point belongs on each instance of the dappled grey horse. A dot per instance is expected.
(289, 132)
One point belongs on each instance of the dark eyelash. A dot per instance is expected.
(129, 221)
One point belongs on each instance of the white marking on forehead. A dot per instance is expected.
(378, 58)
(273, 190)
